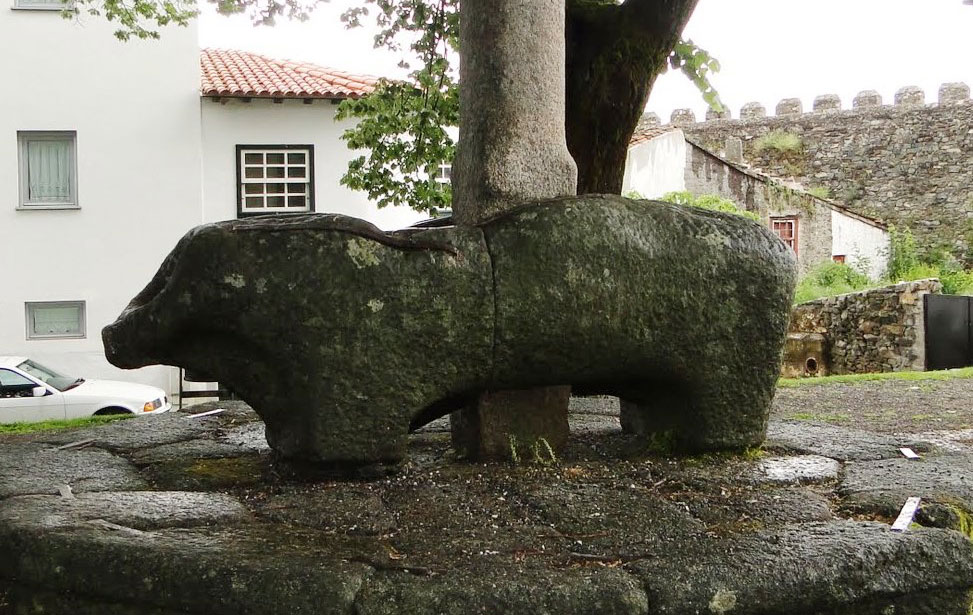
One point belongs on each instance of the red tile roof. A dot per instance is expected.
(646, 132)
(241, 74)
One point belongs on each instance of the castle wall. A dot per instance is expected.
(907, 164)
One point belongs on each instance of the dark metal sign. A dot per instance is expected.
(949, 334)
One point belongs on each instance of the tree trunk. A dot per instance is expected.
(511, 150)
(614, 54)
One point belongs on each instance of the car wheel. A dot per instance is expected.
(111, 410)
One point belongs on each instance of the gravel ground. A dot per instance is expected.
(890, 406)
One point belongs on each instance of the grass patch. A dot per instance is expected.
(822, 192)
(780, 141)
(946, 374)
(823, 418)
(91, 421)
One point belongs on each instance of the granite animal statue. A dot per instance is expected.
(343, 337)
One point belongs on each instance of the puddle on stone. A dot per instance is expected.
(799, 469)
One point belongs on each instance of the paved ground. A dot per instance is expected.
(173, 514)
(892, 406)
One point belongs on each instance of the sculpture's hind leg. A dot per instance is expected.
(726, 411)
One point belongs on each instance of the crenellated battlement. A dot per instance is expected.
(906, 163)
(906, 97)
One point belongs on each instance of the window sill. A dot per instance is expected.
(46, 207)
(39, 8)
(41, 338)
(290, 212)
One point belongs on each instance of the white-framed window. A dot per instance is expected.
(55, 319)
(41, 5)
(444, 173)
(275, 179)
(48, 169)
(786, 229)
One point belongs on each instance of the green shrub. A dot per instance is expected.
(919, 271)
(906, 265)
(779, 140)
(957, 282)
(828, 279)
(903, 254)
(708, 201)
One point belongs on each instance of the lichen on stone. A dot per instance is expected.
(362, 252)
(376, 305)
(235, 280)
(723, 601)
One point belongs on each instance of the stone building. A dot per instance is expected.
(662, 159)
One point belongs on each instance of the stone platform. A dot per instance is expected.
(172, 514)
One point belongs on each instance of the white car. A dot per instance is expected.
(30, 392)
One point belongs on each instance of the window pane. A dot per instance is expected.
(39, 3)
(49, 170)
(295, 158)
(296, 188)
(253, 188)
(275, 188)
(296, 171)
(298, 200)
(253, 158)
(275, 201)
(253, 173)
(275, 158)
(9, 378)
(55, 320)
(254, 202)
(275, 172)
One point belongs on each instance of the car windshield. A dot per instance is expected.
(57, 380)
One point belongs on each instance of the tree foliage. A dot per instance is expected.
(402, 127)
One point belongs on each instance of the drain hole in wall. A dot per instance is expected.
(811, 366)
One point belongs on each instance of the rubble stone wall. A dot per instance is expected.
(878, 330)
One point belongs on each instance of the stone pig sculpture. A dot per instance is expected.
(342, 337)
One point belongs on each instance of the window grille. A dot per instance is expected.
(275, 179)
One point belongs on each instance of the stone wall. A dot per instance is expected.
(906, 164)
(880, 330)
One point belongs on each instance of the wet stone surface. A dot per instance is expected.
(838, 442)
(883, 486)
(141, 510)
(27, 469)
(137, 434)
(614, 525)
(799, 469)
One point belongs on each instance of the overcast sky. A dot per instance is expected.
(769, 49)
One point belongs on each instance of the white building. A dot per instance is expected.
(111, 151)
(100, 175)
(255, 111)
